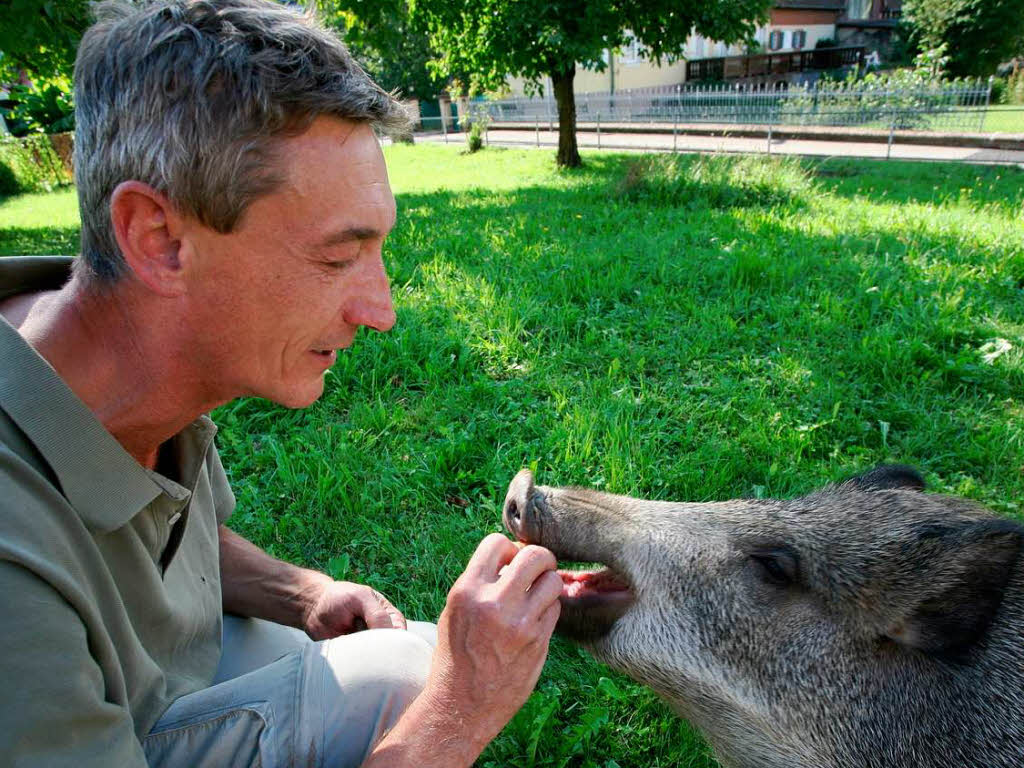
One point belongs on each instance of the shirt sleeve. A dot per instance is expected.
(56, 713)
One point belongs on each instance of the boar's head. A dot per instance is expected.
(860, 621)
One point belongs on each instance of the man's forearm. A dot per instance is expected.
(429, 734)
(255, 584)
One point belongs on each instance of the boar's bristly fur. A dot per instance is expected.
(866, 625)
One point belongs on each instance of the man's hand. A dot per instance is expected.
(255, 584)
(493, 635)
(343, 607)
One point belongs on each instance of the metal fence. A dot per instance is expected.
(945, 107)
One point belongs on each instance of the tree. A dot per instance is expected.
(385, 40)
(978, 34)
(534, 39)
(39, 38)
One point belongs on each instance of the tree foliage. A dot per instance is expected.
(493, 39)
(39, 38)
(385, 40)
(978, 34)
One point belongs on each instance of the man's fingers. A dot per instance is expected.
(529, 564)
(379, 613)
(549, 619)
(544, 591)
(491, 554)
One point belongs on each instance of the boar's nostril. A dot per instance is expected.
(513, 511)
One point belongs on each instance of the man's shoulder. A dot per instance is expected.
(15, 441)
(37, 524)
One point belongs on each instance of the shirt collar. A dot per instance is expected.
(105, 485)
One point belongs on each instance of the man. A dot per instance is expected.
(234, 203)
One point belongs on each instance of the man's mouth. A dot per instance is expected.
(327, 356)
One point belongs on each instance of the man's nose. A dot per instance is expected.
(371, 303)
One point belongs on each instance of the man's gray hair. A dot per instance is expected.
(192, 98)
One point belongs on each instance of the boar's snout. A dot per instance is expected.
(569, 525)
(520, 512)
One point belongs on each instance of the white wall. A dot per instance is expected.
(632, 71)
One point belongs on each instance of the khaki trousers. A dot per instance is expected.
(280, 699)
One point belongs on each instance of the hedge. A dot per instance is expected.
(32, 164)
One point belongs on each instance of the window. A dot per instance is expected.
(631, 52)
(858, 9)
(799, 38)
(776, 39)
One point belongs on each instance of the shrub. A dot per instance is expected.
(999, 90)
(905, 98)
(44, 107)
(714, 182)
(1014, 91)
(30, 164)
(478, 123)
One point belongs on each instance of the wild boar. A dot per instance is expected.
(868, 624)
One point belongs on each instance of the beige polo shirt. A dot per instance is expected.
(110, 596)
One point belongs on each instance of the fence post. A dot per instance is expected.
(888, 149)
(444, 122)
(769, 139)
(536, 128)
(598, 130)
(675, 131)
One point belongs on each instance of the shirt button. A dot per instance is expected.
(174, 518)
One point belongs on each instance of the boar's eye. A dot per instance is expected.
(777, 565)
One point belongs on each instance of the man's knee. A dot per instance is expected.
(367, 680)
(379, 660)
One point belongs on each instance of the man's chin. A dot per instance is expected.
(298, 397)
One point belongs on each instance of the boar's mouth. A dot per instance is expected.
(592, 600)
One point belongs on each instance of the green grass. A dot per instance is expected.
(44, 223)
(1004, 118)
(694, 329)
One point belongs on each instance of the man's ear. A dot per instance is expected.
(147, 229)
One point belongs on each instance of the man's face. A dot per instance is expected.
(276, 298)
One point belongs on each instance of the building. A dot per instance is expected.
(794, 27)
(870, 23)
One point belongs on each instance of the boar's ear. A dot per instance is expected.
(967, 568)
(888, 477)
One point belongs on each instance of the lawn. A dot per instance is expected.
(692, 329)
(1004, 118)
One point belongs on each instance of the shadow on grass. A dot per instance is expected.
(39, 241)
(919, 182)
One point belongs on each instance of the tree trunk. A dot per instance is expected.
(568, 153)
